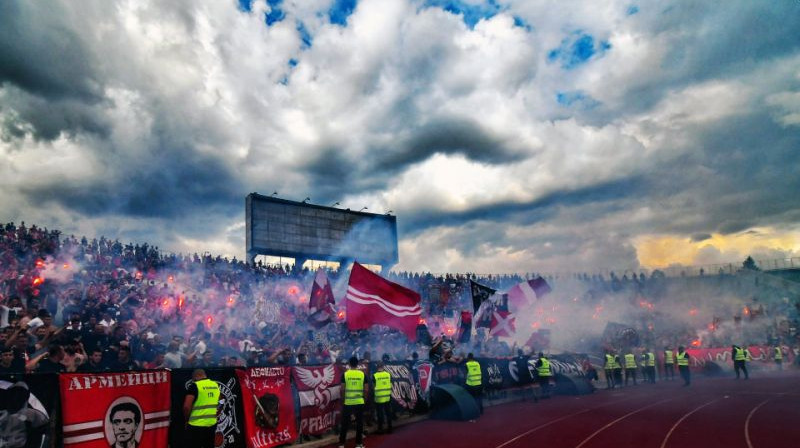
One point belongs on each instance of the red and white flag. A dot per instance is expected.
(522, 294)
(116, 409)
(502, 324)
(373, 300)
(321, 311)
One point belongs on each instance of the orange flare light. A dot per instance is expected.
(693, 312)
(293, 290)
(209, 321)
(231, 301)
(340, 315)
(696, 343)
(39, 264)
(422, 321)
(38, 281)
(65, 266)
(165, 303)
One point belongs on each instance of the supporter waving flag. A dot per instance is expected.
(480, 293)
(321, 304)
(522, 294)
(373, 300)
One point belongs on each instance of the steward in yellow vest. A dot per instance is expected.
(474, 380)
(630, 368)
(355, 389)
(779, 357)
(200, 410)
(669, 364)
(609, 369)
(740, 358)
(383, 397)
(682, 358)
(544, 373)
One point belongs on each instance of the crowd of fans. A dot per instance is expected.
(69, 304)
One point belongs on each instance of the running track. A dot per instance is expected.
(763, 412)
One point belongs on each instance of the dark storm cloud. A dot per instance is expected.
(41, 54)
(448, 136)
(528, 213)
(173, 183)
(699, 237)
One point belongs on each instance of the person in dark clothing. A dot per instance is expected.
(52, 362)
(524, 378)
(355, 389)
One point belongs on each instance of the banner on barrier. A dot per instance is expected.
(761, 354)
(268, 406)
(28, 409)
(114, 409)
(230, 432)
(320, 392)
(424, 375)
(449, 373)
(403, 391)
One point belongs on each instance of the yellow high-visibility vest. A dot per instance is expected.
(383, 387)
(683, 360)
(668, 359)
(544, 369)
(630, 361)
(616, 363)
(204, 409)
(738, 354)
(609, 362)
(353, 387)
(778, 354)
(651, 359)
(473, 373)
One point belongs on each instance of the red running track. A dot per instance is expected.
(763, 412)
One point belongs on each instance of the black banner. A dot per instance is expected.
(29, 406)
(230, 426)
(449, 373)
(404, 390)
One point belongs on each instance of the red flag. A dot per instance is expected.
(269, 418)
(101, 410)
(373, 300)
(321, 311)
(502, 324)
(522, 294)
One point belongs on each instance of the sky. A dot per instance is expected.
(506, 136)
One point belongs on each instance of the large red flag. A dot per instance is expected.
(321, 311)
(522, 294)
(502, 324)
(373, 300)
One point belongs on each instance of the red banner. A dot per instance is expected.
(320, 390)
(373, 300)
(113, 409)
(268, 406)
(762, 356)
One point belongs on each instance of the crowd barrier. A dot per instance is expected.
(260, 407)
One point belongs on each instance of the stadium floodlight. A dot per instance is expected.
(306, 199)
(389, 212)
(335, 204)
(274, 193)
(363, 209)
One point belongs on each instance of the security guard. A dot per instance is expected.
(630, 368)
(355, 389)
(778, 356)
(383, 397)
(649, 367)
(617, 370)
(474, 381)
(543, 373)
(682, 359)
(740, 356)
(609, 369)
(200, 410)
(669, 364)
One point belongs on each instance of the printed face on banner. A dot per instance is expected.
(123, 423)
